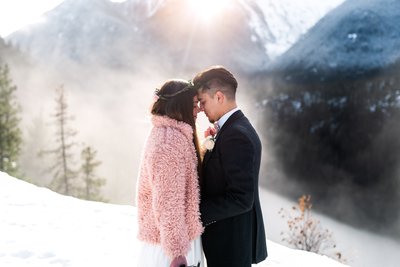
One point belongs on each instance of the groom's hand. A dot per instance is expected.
(179, 262)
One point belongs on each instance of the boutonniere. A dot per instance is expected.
(209, 141)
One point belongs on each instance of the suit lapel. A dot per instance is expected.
(238, 114)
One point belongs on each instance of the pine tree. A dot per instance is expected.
(10, 133)
(92, 184)
(64, 174)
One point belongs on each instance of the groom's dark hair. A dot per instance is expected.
(219, 76)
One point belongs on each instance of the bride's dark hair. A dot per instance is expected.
(175, 100)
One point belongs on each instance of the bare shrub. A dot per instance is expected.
(306, 232)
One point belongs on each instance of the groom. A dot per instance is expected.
(234, 232)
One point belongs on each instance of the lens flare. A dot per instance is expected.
(207, 10)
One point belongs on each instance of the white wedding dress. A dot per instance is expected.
(152, 255)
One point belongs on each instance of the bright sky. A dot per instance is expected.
(14, 14)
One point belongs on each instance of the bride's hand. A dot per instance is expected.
(179, 262)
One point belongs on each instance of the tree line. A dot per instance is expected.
(82, 181)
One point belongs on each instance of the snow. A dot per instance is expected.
(288, 20)
(40, 228)
(360, 248)
(353, 39)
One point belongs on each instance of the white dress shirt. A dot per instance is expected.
(225, 117)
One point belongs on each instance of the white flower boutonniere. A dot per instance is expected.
(209, 141)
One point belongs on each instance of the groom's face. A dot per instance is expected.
(209, 104)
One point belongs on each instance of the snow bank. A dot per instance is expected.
(40, 228)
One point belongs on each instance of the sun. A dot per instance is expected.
(207, 10)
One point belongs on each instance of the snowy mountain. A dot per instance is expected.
(245, 34)
(356, 39)
(288, 21)
(110, 56)
(332, 105)
(325, 130)
(40, 228)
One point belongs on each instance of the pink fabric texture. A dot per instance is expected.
(168, 188)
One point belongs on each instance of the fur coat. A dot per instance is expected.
(168, 188)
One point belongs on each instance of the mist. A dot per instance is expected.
(111, 114)
(333, 115)
(111, 67)
(111, 110)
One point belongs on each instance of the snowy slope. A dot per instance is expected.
(358, 247)
(40, 228)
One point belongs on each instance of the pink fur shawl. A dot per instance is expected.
(168, 188)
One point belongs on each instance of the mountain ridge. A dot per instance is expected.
(120, 34)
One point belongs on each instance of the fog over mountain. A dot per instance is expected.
(171, 32)
(332, 103)
(357, 39)
(322, 93)
(110, 57)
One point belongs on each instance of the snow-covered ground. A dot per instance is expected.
(359, 248)
(40, 228)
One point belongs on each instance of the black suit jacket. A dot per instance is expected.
(230, 207)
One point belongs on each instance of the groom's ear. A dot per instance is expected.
(220, 96)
